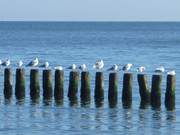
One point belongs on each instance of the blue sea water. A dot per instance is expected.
(62, 43)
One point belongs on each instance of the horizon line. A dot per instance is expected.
(90, 21)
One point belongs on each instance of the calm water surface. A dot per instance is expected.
(149, 44)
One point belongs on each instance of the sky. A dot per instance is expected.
(89, 10)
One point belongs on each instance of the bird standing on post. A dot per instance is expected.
(160, 69)
(83, 67)
(72, 67)
(98, 65)
(58, 68)
(20, 63)
(6, 63)
(141, 69)
(45, 65)
(33, 63)
(172, 72)
(114, 68)
(127, 67)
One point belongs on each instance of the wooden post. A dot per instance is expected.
(127, 90)
(85, 86)
(7, 83)
(73, 101)
(20, 83)
(113, 89)
(73, 84)
(34, 84)
(47, 84)
(170, 92)
(59, 85)
(99, 87)
(156, 91)
(143, 88)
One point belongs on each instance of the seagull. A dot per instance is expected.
(127, 67)
(33, 63)
(113, 68)
(72, 67)
(58, 68)
(45, 65)
(83, 67)
(172, 72)
(141, 69)
(0, 62)
(99, 64)
(20, 63)
(160, 69)
(6, 63)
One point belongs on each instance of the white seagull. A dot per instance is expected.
(141, 69)
(127, 67)
(0, 62)
(99, 64)
(45, 65)
(72, 67)
(6, 63)
(160, 69)
(33, 63)
(20, 63)
(58, 68)
(114, 68)
(172, 72)
(83, 67)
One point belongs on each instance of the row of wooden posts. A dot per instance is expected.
(148, 96)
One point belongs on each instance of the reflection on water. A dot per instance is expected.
(99, 119)
(34, 101)
(113, 118)
(127, 120)
(59, 102)
(7, 101)
(170, 122)
(51, 118)
(20, 102)
(85, 103)
(47, 102)
(156, 121)
(171, 116)
(143, 120)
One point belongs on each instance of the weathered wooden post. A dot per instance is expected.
(143, 89)
(127, 90)
(34, 84)
(59, 85)
(170, 92)
(85, 86)
(99, 86)
(99, 89)
(47, 84)
(73, 84)
(156, 91)
(7, 83)
(113, 89)
(20, 83)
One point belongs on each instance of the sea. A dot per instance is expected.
(149, 44)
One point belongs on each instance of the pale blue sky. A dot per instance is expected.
(90, 10)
